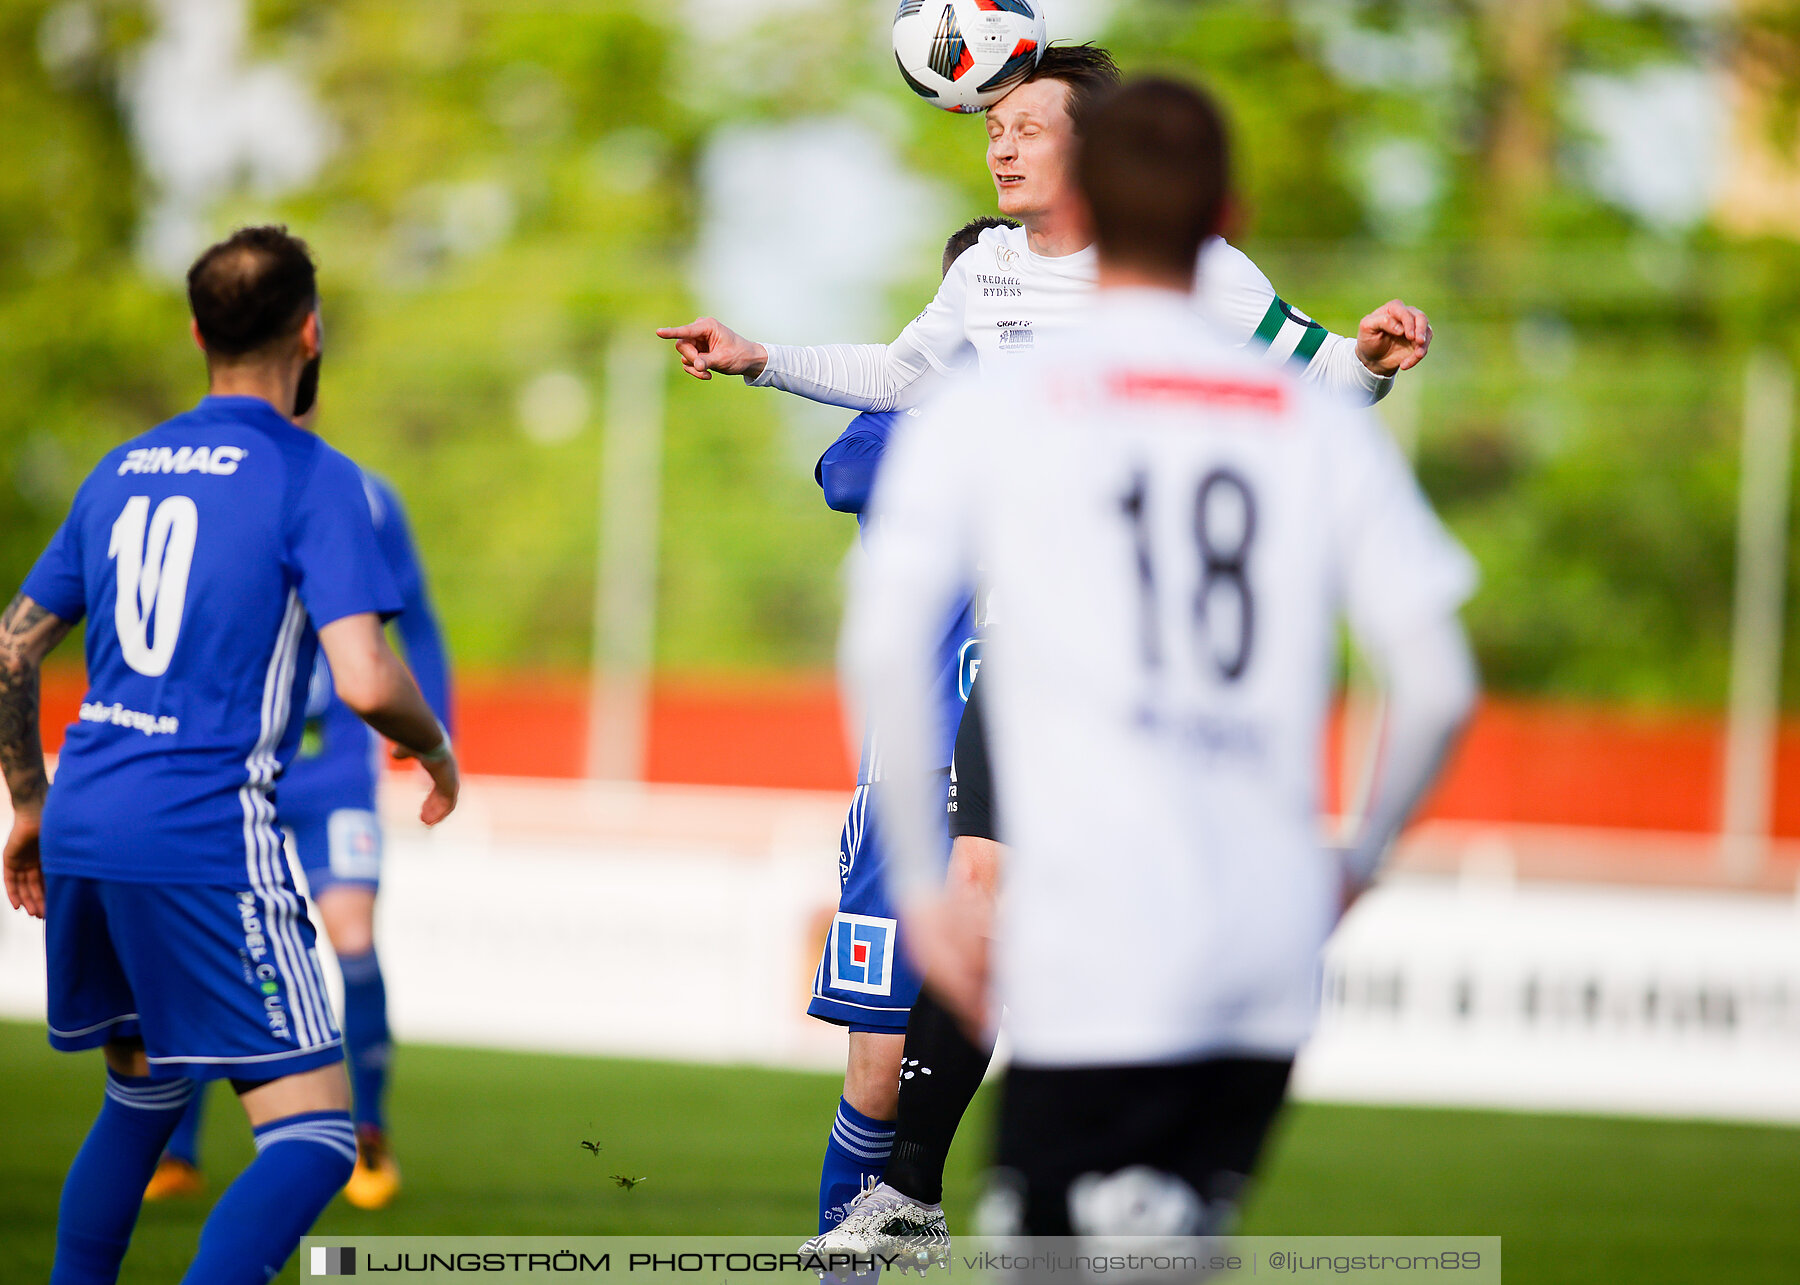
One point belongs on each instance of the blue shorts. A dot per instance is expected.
(340, 845)
(864, 980)
(218, 980)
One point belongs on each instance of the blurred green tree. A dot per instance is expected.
(513, 184)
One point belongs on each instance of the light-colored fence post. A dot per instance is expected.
(625, 585)
(1761, 581)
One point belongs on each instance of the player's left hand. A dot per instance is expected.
(947, 935)
(24, 869)
(1393, 338)
(446, 781)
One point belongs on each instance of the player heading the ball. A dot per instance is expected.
(1017, 287)
(1175, 532)
(1014, 289)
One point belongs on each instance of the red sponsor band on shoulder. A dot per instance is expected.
(1178, 386)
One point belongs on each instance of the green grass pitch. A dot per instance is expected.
(491, 1143)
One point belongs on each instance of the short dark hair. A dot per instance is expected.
(969, 233)
(252, 290)
(1154, 165)
(1088, 70)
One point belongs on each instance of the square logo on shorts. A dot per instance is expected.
(862, 954)
(354, 839)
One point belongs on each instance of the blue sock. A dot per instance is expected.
(366, 1039)
(302, 1161)
(858, 1150)
(105, 1186)
(184, 1143)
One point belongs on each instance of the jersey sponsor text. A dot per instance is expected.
(119, 716)
(216, 461)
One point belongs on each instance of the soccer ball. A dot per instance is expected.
(966, 55)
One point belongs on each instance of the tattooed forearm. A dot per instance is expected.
(21, 743)
(27, 633)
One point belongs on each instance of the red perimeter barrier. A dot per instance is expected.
(1522, 762)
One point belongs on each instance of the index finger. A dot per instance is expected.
(693, 330)
(1385, 319)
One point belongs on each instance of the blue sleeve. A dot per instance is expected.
(332, 546)
(417, 624)
(846, 471)
(55, 582)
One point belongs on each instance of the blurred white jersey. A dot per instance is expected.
(1176, 530)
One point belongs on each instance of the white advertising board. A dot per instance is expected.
(695, 938)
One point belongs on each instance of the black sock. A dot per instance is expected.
(938, 1079)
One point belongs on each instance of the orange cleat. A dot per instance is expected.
(376, 1179)
(174, 1180)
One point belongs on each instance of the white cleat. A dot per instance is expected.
(882, 1221)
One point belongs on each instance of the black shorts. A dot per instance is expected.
(972, 809)
(1132, 1150)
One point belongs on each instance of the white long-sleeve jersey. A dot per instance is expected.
(1176, 530)
(1000, 301)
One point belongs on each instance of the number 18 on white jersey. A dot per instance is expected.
(1176, 531)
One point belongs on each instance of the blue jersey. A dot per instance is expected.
(204, 554)
(846, 472)
(339, 759)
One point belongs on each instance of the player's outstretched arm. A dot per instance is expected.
(707, 344)
(28, 633)
(864, 377)
(1241, 299)
(1393, 338)
(371, 680)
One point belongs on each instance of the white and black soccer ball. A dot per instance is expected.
(966, 55)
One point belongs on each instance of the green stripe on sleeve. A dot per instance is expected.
(1308, 345)
(1271, 325)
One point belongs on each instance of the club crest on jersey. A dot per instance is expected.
(862, 954)
(968, 664)
(1016, 336)
(1005, 256)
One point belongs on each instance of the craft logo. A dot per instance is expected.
(862, 953)
(333, 1260)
